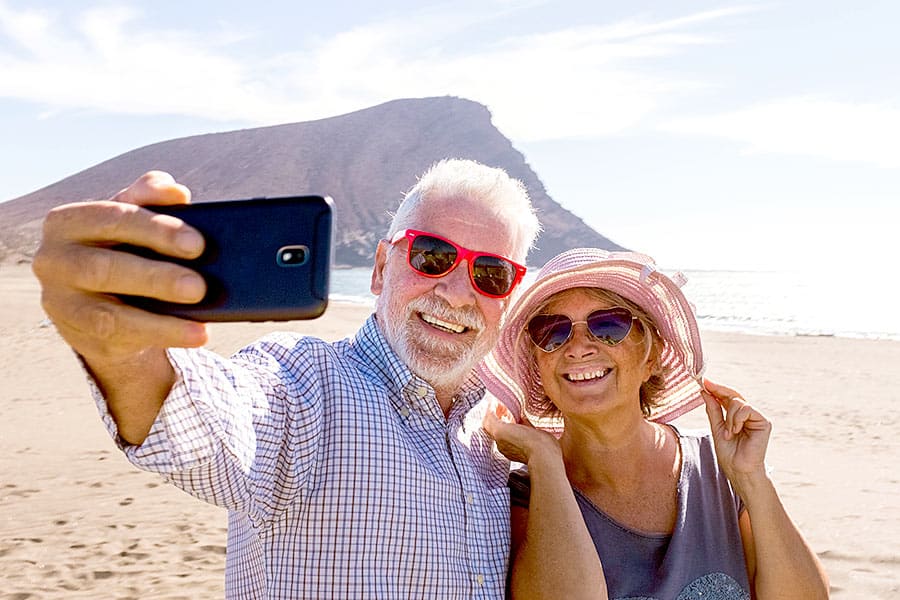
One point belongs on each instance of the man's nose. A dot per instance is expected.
(456, 287)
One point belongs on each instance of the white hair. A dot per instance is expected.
(451, 179)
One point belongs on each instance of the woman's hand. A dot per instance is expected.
(518, 442)
(740, 432)
(779, 561)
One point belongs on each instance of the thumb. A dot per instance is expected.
(503, 413)
(713, 411)
(490, 422)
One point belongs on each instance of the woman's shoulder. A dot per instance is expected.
(697, 445)
(692, 436)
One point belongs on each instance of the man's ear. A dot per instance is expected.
(381, 251)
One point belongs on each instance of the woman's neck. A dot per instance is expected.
(611, 451)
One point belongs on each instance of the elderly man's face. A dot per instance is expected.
(441, 327)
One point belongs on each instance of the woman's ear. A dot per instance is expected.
(651, 363)
(649, 369)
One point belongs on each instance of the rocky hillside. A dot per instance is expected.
(364, 160)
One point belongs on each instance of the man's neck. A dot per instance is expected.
(450, 392)
(446, 396)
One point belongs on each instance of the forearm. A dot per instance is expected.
(556, 558)
(786, 567)
(223, 436)
(134, 390)
(200, 438)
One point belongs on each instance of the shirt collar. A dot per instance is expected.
(382, 363)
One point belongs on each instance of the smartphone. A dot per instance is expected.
(266, 259)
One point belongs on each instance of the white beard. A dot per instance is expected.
(441, 363)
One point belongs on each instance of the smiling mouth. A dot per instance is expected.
(588, 376)
(442, 325)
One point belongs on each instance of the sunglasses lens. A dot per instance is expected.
(493, 275)
(549, 332)
(610, 326)
(431, 256)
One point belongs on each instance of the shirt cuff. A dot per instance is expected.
(179, 438)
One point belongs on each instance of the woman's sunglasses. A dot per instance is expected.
(607, 325)
(433, 256)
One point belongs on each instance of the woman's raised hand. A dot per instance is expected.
(519, 442)
(740, 432)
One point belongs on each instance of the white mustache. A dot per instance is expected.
(467, 316)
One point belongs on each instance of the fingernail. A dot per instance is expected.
(190, 287)
(189, 241)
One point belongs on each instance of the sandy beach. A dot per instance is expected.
(77, 521)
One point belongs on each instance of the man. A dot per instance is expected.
(349, 469)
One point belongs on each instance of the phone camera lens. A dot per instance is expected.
(292, 256)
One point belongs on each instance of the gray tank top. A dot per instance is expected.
(703, 557)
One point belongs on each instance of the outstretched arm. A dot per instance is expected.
(780, 563)
(79, 272)
(552, 554)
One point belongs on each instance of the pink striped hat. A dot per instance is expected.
(508, 373)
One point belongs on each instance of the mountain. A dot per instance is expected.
(365, 160)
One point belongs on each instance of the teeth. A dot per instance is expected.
(431, 320)
(587, 376)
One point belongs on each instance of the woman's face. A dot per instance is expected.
(586, 376)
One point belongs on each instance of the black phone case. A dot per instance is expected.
(266, 259)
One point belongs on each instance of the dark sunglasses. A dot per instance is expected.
(433, 256)
(607, 325)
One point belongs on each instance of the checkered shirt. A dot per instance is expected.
(342, 477)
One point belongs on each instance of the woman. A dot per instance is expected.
(601, 351)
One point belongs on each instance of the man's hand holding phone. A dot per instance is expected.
(85, 274)
(81, 275)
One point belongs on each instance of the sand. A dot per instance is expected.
(77, 521)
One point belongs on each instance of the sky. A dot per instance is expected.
(710, 135)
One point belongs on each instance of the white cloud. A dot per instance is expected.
(106, 63)
(808, 126)
(583, 81)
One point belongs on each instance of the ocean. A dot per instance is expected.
(754, 302)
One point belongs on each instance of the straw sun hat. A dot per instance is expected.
(509, 373)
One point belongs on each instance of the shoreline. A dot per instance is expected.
(78, 521)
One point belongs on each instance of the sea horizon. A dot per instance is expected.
(741, 301)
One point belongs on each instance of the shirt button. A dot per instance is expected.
(470, 498)
(421, 391)
(480, 579)
(404, 411)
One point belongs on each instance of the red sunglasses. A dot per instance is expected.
(434, 256)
